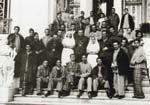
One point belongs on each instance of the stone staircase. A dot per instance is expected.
(19, 100)
(101, 95)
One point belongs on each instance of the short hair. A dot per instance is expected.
(84, 55)
(125, 40)
(126, 9)
(27, 44)
(98, 59)
(111, 27)
(47, 29)
(137, 32)
(35, 33)
(73, 24)
(116, 41)
(136, 40)
(104, 30)
(80, 29)
(113, 8)
(82, 12)
(31, 29)
(16, 27)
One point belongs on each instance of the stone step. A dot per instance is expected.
(82, 101)
(146, 90)
(73, 94)
(35, 98)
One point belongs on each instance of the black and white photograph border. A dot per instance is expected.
(74, 52)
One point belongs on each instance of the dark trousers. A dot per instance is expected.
(41, 83)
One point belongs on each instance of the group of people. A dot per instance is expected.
(84, 53)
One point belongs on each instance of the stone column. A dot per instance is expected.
(52, 10)
(86, 6)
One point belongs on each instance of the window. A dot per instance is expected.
(133, 2)
(4, 16)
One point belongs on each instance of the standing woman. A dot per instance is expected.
(68, 45)
(138, 62)
(93, 49)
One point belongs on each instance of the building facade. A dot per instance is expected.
(38, 14)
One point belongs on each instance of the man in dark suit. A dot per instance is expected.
(92, 18)
(98, 75)
(114, 19)
(80, 45)
(127, 20)
(20, 46)
(120, 66)
(19, 40)
(55, 26)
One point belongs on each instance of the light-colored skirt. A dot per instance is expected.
(65, 57)
(92, 59)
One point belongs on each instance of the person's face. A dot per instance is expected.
(73, 27)
(28, 48)
(91, 13)
(59, 33)
(84, 59)
(45, 63)
(82, 14)
(136, 44)
(139, 35)
(102, 16)
(55, 36)
(115, 45)
(123, 43)
(16, 30)
(62, 27)
(31, 33)
(36, 37)
(94, 28)
(46, 32)
(111, 30)
(120, 32)
(129, 31)
(104, 24)
(72, 57)
(113, 11)
(80, 32)
(58, 63)
(99, 61)
(59, 16)
(126, 11)
(104, 34)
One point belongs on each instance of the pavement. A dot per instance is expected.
(82, 101)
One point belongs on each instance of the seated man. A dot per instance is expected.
(73, 70)
(42, 76)
(57, 79)
(86, 69)
(98, 75)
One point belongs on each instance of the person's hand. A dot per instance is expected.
(105, 48)
(72, 73)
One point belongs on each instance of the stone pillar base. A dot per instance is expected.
(6, 94)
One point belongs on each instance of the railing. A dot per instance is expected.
(5, 25)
